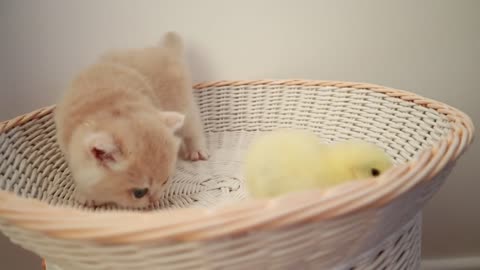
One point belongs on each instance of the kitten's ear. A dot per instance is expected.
(173, 120)
(102, 147)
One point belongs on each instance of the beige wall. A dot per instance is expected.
(431, 47)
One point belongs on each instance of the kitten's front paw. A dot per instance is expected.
(154, 203)
(196, 155)
(83, 200)
(194, 149)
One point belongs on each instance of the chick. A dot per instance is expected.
(284, 161)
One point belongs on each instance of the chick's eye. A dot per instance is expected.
(139, 193)
(375, 172)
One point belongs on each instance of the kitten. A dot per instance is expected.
(124, 120)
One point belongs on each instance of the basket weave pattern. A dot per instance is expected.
(373, 223)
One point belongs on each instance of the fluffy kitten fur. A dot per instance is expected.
(123, 120)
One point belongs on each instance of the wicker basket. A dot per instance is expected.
(372, 224)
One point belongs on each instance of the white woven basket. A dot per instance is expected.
(372, 224)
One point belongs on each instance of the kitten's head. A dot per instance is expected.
(129, 162)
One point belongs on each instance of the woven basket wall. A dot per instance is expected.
(203, 222)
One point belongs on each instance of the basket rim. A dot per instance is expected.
(199, 224)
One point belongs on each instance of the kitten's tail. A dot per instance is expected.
(173, 42)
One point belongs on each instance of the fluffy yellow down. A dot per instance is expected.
(284, 161)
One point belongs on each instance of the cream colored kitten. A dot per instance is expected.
(122, 121)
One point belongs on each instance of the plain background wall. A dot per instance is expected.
(428, 47)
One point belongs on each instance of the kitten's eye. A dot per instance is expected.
(375, 172)
(139, 193)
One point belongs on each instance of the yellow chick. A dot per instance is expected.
(284, 161)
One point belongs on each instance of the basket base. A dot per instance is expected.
(401, 249)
